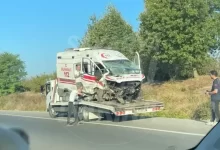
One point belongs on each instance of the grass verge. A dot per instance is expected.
(182, 99)
(27, 101)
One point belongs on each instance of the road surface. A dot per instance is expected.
(139, 134)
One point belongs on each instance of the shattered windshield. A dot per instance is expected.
(119, 67)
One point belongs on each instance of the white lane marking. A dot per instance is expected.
(33, 117)
(21, 111)
(149, 129)
(113, 125)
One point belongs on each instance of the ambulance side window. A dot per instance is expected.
(85, 68)
(101, 68)
(91, 70)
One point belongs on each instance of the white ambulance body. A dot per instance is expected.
(107, 74)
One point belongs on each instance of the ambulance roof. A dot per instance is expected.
(98, 54)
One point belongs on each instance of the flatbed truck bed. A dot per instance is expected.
(111, 107)
(56, 104)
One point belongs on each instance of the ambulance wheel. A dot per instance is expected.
(52, 112)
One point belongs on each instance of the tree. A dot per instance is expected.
(111, 31)
(179, 34)
(12, 71)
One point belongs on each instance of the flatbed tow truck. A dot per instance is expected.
(91, 107)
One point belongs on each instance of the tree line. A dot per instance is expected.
(176, 40)
(175, 37)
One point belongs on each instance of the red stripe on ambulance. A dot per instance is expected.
(89, 77)
(67, 81)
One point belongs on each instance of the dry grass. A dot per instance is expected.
(23, 101)
(182, 99)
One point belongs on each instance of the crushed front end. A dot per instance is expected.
(128, 90)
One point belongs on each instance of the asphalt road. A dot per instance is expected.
(139, 134)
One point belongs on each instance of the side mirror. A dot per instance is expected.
(42, 89)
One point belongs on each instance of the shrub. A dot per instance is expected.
(34, 83)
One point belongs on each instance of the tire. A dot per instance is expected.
(52, 113)
(84, 113)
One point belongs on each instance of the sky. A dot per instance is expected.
(38, 29)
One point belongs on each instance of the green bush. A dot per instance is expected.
(202, 111)
(34, 83)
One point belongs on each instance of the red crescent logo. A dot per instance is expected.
(103, 55)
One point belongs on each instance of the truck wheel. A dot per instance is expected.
(52, 112)
(85, 114)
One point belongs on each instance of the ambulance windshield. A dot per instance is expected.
(119, 67)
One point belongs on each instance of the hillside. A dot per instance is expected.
(182, 99)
